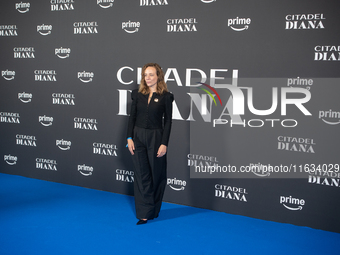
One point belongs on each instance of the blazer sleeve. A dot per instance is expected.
(167, 118)
(133, 113)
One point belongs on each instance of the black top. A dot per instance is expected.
(150, 116)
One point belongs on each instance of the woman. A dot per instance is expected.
(148, 135)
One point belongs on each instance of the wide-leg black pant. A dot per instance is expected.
(150, 172)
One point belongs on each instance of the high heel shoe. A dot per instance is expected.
(140, 222)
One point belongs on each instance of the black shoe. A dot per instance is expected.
(140, 222)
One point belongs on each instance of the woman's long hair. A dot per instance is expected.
(161, 85)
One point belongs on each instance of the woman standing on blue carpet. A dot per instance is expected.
(148, 136)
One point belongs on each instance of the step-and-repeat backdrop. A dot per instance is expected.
(256, 113)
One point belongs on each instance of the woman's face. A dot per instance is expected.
(151, 78)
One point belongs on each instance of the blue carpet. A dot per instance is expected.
(41, 217)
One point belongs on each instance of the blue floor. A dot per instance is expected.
(40, 217)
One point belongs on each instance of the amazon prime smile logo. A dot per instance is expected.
(62, 52)
(131, 26)
(85, 76)
(46, 121)
(25, 97)
(11, 160)
(8, 75)
(63, 144)
(208, 1)
(22, 7)
(44, 29)
(291, 203)
(330, 117)
(105, 3)
(260, 170)
(175, 184)
(85, 170)
(239, 24)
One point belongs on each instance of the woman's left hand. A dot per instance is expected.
(161, 151)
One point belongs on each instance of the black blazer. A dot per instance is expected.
(150, 116)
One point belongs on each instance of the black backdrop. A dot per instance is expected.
(68, 68)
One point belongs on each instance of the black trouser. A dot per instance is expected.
(150, 172)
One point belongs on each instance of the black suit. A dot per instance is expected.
(149, 126)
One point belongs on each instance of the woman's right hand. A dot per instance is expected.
(131, 146)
